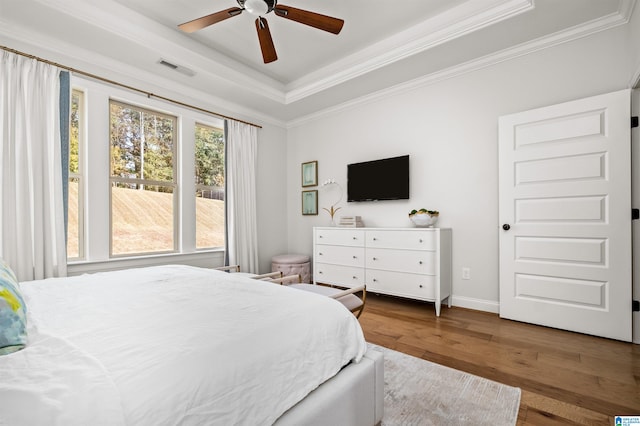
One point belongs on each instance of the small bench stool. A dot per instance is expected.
(292, 264)
(346, 297)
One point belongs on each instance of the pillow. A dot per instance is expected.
(13, 312)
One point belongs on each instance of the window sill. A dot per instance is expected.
(204, 259)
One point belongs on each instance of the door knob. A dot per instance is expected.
(506, 226)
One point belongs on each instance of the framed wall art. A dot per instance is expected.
(310, 173)
(310, 202)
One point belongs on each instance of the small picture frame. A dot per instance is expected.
(310, 173)
(310, 202)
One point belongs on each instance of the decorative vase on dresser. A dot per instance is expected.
(405, 262)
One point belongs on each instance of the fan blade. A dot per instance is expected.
(316, 20)
(205, 21)
(266, 42)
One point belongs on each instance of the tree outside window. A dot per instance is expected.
(143, 184)
(209, 186)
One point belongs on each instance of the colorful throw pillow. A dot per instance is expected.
(13, 312)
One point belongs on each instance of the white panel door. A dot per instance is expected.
(565, 216)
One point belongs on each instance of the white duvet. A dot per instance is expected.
(171, 345)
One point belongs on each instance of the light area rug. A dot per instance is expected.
(419, 392)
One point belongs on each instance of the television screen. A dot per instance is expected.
(386, 179)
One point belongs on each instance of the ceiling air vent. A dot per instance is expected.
(179, 68)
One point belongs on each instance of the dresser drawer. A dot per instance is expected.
(414, 261)
(340, 255)
(345, 276)
(421, 287)
(340, 237)
(410, 239)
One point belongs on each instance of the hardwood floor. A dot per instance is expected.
(566, 378)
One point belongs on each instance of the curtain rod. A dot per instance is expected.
(135, 89)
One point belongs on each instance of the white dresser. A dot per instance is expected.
(407, 262)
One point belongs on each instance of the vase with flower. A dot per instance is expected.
(333, 209)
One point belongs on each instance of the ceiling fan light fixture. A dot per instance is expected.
(258, 7)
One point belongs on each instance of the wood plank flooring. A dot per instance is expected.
(566, 378)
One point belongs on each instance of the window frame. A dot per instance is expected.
(197, 186)
(140, 181)
(79, 175)
(97, 185)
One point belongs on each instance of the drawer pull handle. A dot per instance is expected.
(375, 281)
(319, 272)
(420, 262)
(355, 257)
(420, 240)
(319, 254)
(319, 236)
(420, 285)
(375, 258)
(375, 239)
(354, 277)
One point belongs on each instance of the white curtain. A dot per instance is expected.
(242, 232)
(32, 213)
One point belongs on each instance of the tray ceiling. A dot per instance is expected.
(383, 44)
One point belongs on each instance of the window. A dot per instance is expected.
(75, 223)
(209, 186)
(146, 181)
(143, 180)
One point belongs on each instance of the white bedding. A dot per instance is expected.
(171, 345)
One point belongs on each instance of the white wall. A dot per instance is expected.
(634, 42)
(272, 198)
(450, 130)
(634, 49)
(635, 203)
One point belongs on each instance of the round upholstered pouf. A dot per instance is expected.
(292, 264)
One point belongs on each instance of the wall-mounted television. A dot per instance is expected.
(385, 179)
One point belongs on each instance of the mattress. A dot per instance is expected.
(171, 345)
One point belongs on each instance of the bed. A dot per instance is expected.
(179, 345)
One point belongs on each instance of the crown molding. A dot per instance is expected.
(72, 56)
(123, 22)
(457, 22)
(185, 51)
(634, 82)
(621, 17)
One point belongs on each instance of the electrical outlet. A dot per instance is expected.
(466, 273)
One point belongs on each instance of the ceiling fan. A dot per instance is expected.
(263, 7)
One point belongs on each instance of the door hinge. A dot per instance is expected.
(635, 214)
(634, 122)
(635, 306)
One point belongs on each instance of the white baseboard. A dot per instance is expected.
(477, 304)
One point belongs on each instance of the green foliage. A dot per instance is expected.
(429, 212)
(142, 148)
(141, 144)
(209, 153)
(74, 134)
